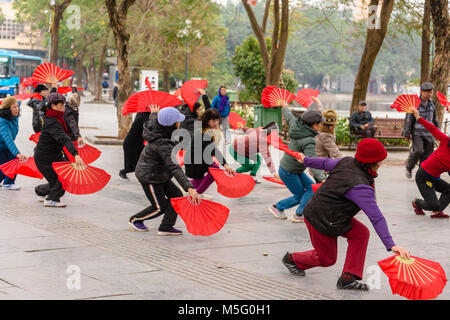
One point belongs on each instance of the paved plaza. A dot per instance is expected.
(85, 251)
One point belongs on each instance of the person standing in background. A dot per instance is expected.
(221, 103)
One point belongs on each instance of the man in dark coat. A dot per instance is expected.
(362, 121)
(422, 140)
(38, 106)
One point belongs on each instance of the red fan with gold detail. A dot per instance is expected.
(274, 180)
(49, 73)
(130, 106)
(234, 119)
(28, 82)
(80, 181)
(148, 84)
(232, 186)
(88, 153)
(159, 98)
(203, 219)
(405, 102)
(35, 137)
(65, 90)
(443, 100)
(303, 96)
(25, 96)
(275, 97)
(27, 168)
(315, 186)
(274, 139)
(414, 278)
(190, 93)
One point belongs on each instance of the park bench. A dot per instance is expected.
(386, 129)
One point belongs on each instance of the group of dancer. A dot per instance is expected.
(348, 183)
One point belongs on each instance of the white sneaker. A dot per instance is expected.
(257, 181)
(40, 199)
(11, 187)
(54, 204)
(277, 213)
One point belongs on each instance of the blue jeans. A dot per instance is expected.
(6, 156)
(300, 186)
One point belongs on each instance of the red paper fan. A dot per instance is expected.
(28, 82)
(49, 73)
(415, 278)
(80, 181)
(190, 93)
(275, 180)
(130, 106)
(65, 90)
(180, 157)
(275, 140)
(203, 219)
(35, 137)
(27, 168)
(443, 100)
(404, 102)
(159, 98)
(275, 97)
(148, 84)
(304, 96)
(25, 96)
(315, 186)
(236, 186)
(88, 153)
(177, 93)
(234, 119)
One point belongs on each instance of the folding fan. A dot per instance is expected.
(130, 106)
(304, 96)
(35, 137)
(275, 180)
(177, 93)
(148, 84)
(180, 157)
(404, 102)
(236, 186)
(275, 140)
(315, 186)
(443, 100)
(275, 97)
(25, 96)
(203, 219)
(189, 91)
(159, 98)
(88, 153)
(80, 181)
(234, 119)
(49, 73)
(414, 278)
(27, 168)
(28, 82)
(65, 90)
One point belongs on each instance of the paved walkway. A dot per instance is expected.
(85, 251)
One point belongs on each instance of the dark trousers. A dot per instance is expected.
(324, 253)
(6, 156)
(428, 188)
(421, 149)
(368, 132)
(131, 153)
(159, 196)
(53, 190)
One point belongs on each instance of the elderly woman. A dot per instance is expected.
(9, 127)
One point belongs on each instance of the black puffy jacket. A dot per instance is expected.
(71, 116)
(38, 107)
(155, 165)
(191, 116)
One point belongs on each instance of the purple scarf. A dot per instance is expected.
(223, 101)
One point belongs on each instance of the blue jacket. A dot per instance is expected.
(216, 105)
(8, 133)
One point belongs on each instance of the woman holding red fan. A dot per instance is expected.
(428, 176)
(349, 188)
(9, 127)
(155, 170)
(198, 158)
(54, 136)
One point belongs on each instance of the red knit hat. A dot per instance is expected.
(370, 151)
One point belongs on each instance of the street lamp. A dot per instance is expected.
(186, 35)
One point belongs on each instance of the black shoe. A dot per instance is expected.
(291, 266)
(350, 283)
(123, 175)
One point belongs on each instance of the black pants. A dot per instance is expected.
(159, 196)
(428, 188)
(421, 149)
(134, 143)
(52, 190)
(368, 132)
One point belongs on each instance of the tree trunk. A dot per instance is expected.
(118, 18)
(101, 63)
(441, 66)
(92, 74)
(79, 71)
(425, 56)
(58, 11)
(374, 40)
(166, 80)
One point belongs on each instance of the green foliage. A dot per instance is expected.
(288, 78)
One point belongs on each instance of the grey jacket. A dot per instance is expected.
(427, 110)
(326, 146)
